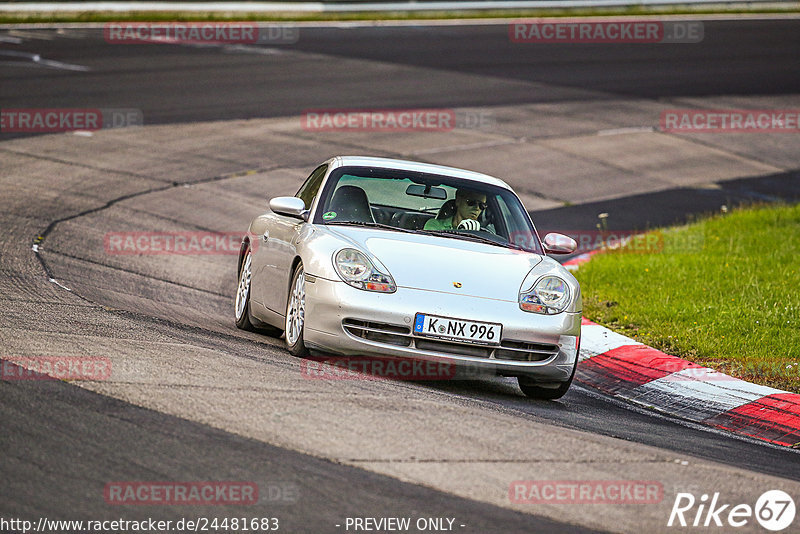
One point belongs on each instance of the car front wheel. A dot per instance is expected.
(537, 390)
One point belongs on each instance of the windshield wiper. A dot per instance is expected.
(480, 239)
(372, 225)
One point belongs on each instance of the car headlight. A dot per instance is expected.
(355, 269)
(549, 295)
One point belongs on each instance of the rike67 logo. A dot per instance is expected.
(774, 510)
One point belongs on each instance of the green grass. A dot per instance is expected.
(159, 16)
(723, 292)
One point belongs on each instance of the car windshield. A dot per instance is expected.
(426, 203)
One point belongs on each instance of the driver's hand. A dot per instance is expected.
(469, 224)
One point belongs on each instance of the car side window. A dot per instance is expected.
(310, 188)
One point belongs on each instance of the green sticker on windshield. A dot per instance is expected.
(328, 215)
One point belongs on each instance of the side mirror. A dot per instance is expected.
(289, 206)
(559, 244)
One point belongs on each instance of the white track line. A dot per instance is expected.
(35, 60)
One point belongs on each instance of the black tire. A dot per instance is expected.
(243, 318)
(535, 390)
(295, 314)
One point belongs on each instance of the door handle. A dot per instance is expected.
(265, 236)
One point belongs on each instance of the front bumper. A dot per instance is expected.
(343, 320)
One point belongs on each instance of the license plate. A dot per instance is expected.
(457, 329)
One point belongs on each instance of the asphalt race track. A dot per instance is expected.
(573, 128)
(187, 84)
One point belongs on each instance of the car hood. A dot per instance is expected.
(447, 265)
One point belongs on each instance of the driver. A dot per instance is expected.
(469, 205)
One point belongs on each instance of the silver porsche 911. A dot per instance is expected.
(395, 259)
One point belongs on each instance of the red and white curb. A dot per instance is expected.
(625, 368)
(573, 263)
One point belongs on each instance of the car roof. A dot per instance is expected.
(414, 166)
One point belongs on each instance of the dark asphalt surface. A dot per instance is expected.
(60, 444)
(746, 57)
(173, 84)
(675, 206)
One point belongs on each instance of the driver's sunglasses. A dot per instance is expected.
(471, 203)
